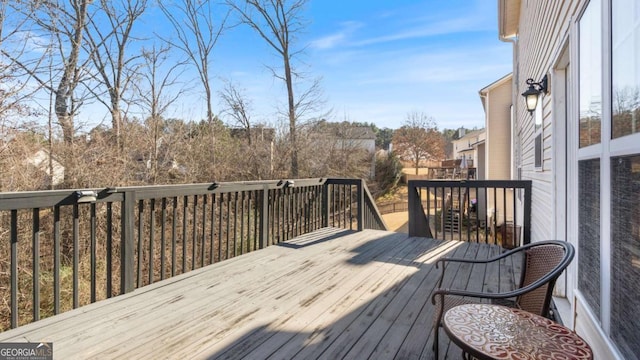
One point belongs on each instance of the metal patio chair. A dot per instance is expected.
(543, 262)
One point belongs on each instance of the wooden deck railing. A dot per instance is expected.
(485, 211)
(66, 248)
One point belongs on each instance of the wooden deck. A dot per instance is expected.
(332, 294)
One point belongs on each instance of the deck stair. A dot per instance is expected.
(452, 220)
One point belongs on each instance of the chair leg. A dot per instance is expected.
(436, 346)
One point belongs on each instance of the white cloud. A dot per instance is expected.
(452, 26)
(338, 38)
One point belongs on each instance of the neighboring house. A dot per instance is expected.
(346, 138)
(580, 146)
(26, 165)
(496, 102)
(471, 146)
(494, 154)
(355, 137)
(54, 171)
(259, 133)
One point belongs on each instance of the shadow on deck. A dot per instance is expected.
(331, 294)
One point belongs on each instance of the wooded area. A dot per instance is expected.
(60, 59)
(64, 61)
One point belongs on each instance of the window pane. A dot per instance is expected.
(538, 151)
(590, 75)
(625, 233)
(589, 232)
(625, 68)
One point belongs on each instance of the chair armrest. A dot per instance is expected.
(551, 277)
(446, 260)
(479, 261)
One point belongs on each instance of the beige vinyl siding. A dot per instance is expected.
(499, 132)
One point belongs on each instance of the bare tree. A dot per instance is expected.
(238, 107)
(277, 22)
(64, 24)
(65, 105)
(419, 139)
(12, 90)
(197, 29)
(197, 32)
(158, 90)
(109, 35)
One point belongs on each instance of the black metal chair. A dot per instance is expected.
(543, 262)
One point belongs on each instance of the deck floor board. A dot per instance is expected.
(331, 294)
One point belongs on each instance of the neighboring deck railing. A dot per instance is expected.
(485, 211)
(86, 245)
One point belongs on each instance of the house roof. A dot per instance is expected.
(508, 18)
(345, 131)
(361, 132)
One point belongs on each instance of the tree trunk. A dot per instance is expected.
(68, 82)
(292, 117)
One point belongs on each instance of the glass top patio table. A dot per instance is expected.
(488, 331)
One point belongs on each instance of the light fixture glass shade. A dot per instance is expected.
(532, 102)
(531, 96)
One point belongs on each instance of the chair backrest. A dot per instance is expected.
(543, 262)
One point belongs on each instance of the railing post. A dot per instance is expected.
(264, 218)
(360, 189)
(126, 246)
(527, 213)
(325, 205)
(418, 223)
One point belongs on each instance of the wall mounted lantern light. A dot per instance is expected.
(531, 95)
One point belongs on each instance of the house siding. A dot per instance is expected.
(544, 26)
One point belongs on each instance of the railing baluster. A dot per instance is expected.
(185, 204)
(360, 202)
(344, 205)
(93, 250)
(14, 268)
(252, 224)
(140, 239)
(152, 239)
(285, 218)
(194, 233)
(204, 229)
(109, 250)
(220, 227)
(290, 217)
(266, 213)
(36, 263)
(515, 218)
(242, 239)
(278, 214)
(174, 235)
(213, 229)
(235, 224)
(163, 244)
(495, 216)
(228, 235)
(76, 256)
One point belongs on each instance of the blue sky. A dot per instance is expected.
(380, 60)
